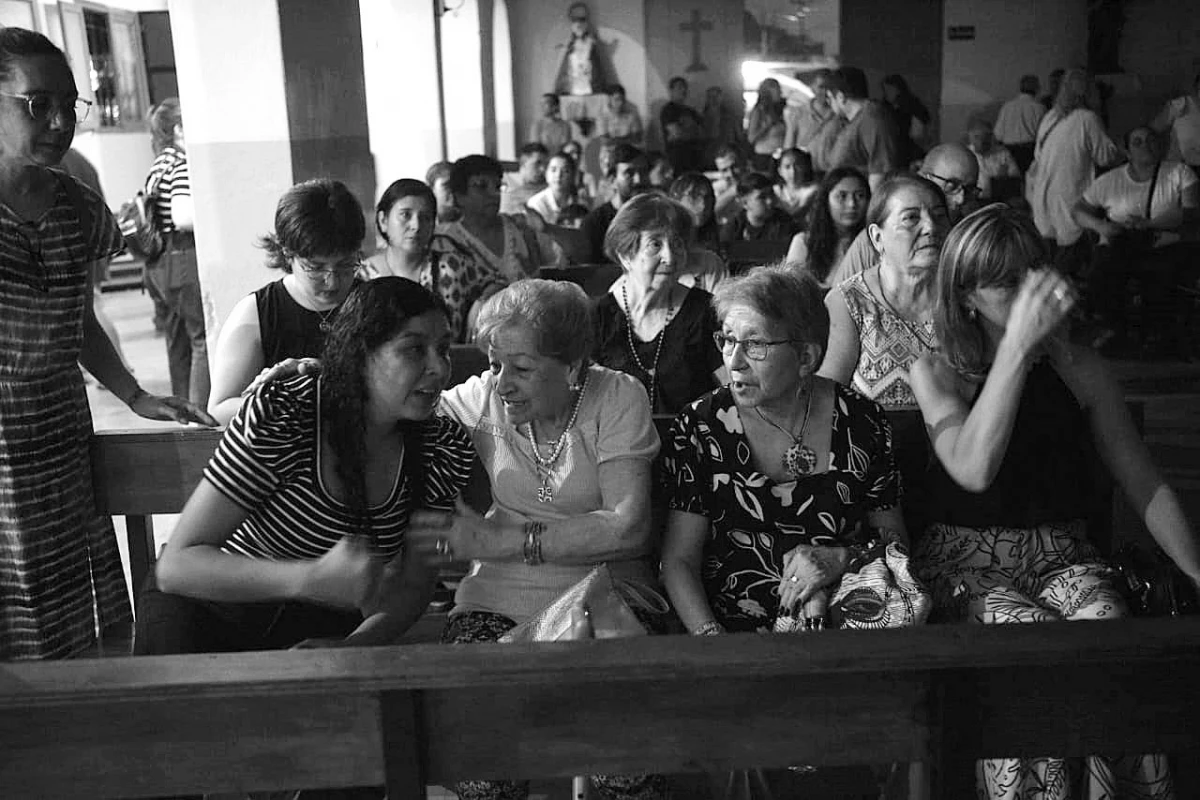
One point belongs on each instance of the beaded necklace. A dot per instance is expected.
(799, 460)
(545, 466)
(652, 370)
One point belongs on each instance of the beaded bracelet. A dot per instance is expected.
(710, 628)
(533, 543)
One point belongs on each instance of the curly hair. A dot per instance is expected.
(316, 218)
(163, 120)
(651, 212)
(373, 314)
(823, 233)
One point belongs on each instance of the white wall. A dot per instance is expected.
(400, 63)
(121, 159)
(232, 92)
(1012, 39)
(464, 79)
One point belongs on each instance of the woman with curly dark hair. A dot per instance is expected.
(835, 217)
(298, 532)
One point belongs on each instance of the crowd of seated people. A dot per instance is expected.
(334, 494)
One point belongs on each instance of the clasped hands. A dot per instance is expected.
(441, 537)
(807, 569)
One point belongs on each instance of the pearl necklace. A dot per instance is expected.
(545, 466)
(652, 370)
(799, 460)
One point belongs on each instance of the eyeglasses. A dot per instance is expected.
(43, 106)
(342, 270)
(954, 186)
(755, 349)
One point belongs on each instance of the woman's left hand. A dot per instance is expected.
(170, 408)
(807, 569)
(439, 537)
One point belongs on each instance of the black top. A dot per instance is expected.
(286, 328)
(688, 359)
(594, 226)
(778, 227)
(1046, 472)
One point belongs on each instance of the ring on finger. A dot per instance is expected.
(1060, 294)
(441, 546)
(794, 579)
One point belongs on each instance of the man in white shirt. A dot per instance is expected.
(1017, 125)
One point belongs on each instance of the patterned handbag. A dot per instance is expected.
(880, 591)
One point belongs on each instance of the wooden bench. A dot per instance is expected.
(424, 714)
(139, 473)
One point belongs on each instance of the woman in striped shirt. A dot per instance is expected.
(297, 533)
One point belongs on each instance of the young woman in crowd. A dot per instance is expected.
(318, 235)
(1017, 415)
(404, 218)
(298, 531)
(695, 192)
(765, 127)
(648, 324)
(796, 186)
(562, 189)
(567, 446)
(837, 214)
(61, 572)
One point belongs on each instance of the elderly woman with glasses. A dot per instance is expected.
(779, 479)
(649, 324)
(319, 231)
(567, 446)
(60, 571)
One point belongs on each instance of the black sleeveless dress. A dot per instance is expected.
(286, 328)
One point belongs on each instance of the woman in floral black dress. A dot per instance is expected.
(779, 481)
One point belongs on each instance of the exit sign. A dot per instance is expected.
(960, 33)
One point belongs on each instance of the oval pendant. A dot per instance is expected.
(800, 460)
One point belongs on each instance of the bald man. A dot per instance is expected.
(955, 170)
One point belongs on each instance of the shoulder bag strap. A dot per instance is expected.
(1150, 194)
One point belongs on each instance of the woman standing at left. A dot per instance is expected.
(60, 574)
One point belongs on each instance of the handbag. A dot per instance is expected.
(137, 224)
(879, 591)
(597, 607)
(1152, 584)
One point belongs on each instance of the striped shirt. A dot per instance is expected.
(269, 463)
(168, 178)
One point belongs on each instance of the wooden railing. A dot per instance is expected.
(426, 714)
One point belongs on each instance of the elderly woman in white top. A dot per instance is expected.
(567, 446)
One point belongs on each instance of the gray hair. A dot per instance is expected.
(559, 313)
(781, 293)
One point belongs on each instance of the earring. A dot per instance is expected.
(972, 313)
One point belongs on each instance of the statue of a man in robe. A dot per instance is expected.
(581, 71)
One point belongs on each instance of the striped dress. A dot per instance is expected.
(60, 574)
(268, 462)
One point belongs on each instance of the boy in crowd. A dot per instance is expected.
(759, 219)
(529, 179)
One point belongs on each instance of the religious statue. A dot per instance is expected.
(581, 71)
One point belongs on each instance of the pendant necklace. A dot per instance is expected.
(799, 460)
(325, 324)
(651, 371)
(545, 466)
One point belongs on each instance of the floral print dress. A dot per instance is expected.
(755, 521)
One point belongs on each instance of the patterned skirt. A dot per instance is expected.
(996, 576)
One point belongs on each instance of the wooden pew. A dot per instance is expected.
(139, 473)
(741, 256)
(594, 278)
(420, 715)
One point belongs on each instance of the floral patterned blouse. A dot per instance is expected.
(756, 521)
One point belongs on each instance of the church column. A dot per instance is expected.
(273, 93)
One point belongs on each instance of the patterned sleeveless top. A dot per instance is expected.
(888, 345)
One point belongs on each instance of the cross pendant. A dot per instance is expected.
(544, 495)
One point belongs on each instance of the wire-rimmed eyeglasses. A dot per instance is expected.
(42, 106)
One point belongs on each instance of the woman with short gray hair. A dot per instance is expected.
(567, 446)
(780, 481)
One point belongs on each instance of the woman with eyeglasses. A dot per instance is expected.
(319, 231)
(779, 480)
(60, 571)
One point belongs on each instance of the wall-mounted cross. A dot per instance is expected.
(696, 27)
